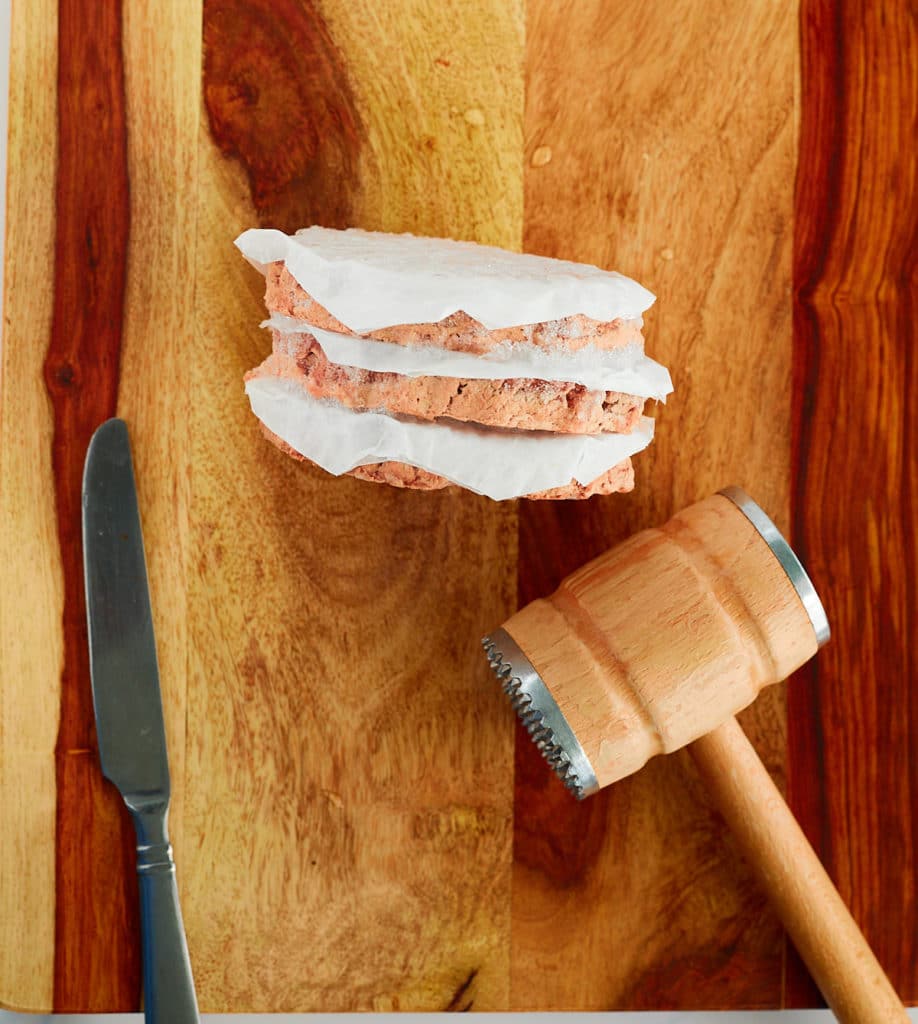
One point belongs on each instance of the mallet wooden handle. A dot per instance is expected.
(823, 930)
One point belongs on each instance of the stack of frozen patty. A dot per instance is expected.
(426, 362)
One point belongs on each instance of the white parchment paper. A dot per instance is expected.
(498, 463)
(370, 280)
(624, 369)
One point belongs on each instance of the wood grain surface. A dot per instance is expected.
(352, 827)
(81, 371)
(357, 761)
(853, 713)
(31, 595)
(675, 164)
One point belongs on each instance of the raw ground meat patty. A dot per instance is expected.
(309, 391)
(516, 403)
(458, 332)
(618, 479)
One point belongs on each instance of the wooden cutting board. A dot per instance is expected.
(356, 822)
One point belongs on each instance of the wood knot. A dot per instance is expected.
(61, 377)
(463, 999)
(278, 100)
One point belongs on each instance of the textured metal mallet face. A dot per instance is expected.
(540, 714)
(790, 563)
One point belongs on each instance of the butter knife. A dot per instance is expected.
(129, 710)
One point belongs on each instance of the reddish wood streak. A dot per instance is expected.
(552, 833)
(853, 723)
(278, 100)
(96, 942)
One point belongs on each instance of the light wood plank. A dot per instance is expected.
(439, 87)
(163, 84)
(353, 812)
(31, 598)
(660, 141)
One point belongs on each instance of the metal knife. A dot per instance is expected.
(129, 710)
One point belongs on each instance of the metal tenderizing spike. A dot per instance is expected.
(539, 713)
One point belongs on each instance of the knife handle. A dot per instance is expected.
(168, 986)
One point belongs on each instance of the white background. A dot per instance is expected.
(786, 1017)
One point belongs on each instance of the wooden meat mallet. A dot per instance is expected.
(656, 645)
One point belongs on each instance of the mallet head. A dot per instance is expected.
(658, 641)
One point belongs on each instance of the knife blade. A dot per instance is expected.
(129, 711)
(122, 646)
